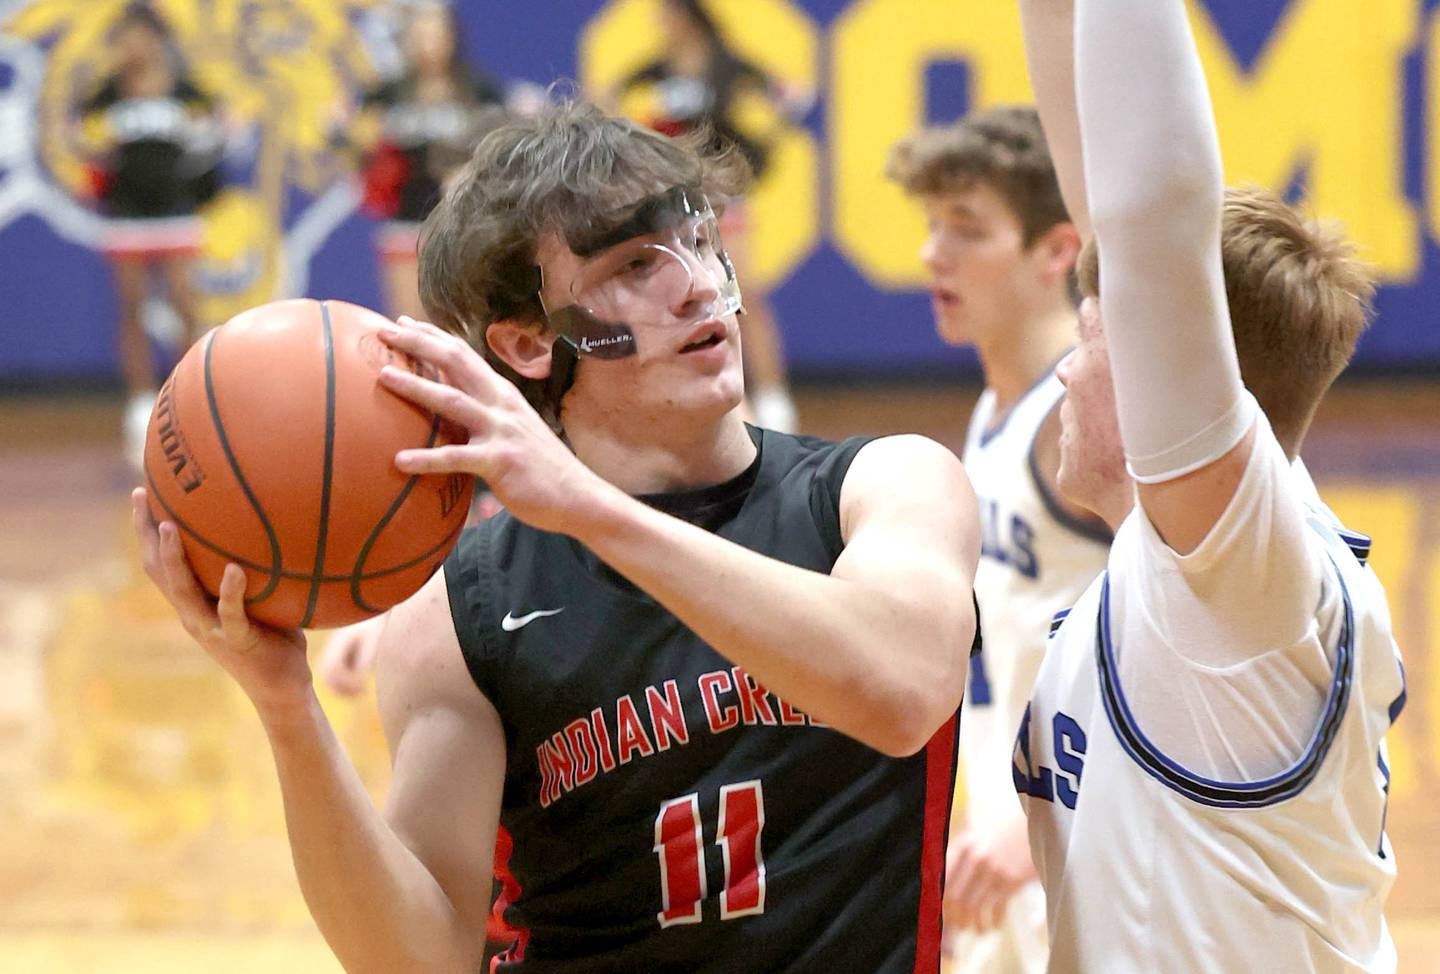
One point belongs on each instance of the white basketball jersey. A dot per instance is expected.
(1150, 866)
(1035, 559)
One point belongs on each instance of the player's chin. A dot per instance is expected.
(719, 365)
(950, 329)
(716, 392)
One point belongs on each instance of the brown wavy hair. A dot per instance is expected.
(1299, 301)
(1003, 148)
(568, 169)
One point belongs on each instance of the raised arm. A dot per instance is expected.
(1154, 182)
(1049, 27)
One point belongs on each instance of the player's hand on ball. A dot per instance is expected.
(269, 664)
(529, 469)
(983, 873)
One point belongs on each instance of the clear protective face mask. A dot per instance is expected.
(645, 274)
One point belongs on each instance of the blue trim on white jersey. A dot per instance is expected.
(1359, 544)
(1059, 618)
(984, 436)
(1398, 704)
(1385, 810)
(1092, 529)
(1225, 794)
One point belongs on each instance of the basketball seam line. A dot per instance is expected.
(327, 477)
(384, 520)
(273, 540)
(294, 576)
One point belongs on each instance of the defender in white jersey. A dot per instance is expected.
(1202, 762)
(1000, 253)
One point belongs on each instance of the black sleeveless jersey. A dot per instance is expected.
(667, 812)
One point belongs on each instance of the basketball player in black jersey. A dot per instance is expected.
(705, 677)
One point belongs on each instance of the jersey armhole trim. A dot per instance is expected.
(1398, 704)
(1225, 794)
(1055, 622)
(477, 648)
(826, 487)
(1359, 544)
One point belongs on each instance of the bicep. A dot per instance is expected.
(1185, 510)
(909, 520)
(447, 746)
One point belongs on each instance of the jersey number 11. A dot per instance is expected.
(680, 845)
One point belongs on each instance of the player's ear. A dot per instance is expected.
(1058, 249)
(524, 346)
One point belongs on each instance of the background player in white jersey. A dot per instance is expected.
(1202, 761)
(1000, 252)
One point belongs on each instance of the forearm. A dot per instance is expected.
(1153, 174)
(1144, 111)
(1049, 27)
(883, 668)
(377, 905)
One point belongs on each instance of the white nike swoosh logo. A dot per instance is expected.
(511, 623)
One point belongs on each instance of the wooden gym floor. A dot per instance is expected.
(140, 816)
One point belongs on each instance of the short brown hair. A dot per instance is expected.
(568, 169)
(1003, 148)
(1299, 300)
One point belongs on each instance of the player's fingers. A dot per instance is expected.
(959, 866)
(958, 916)
(989, 908)
(230, 608)
(965, 890)
(441, 459)
(972, 911)
(456, 360)
(956, 902)
(452, 402)
(147, 533)
(405, 321)
(184, 592)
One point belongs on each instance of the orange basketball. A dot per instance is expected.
(273, 444)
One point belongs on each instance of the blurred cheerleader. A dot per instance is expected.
(154, 142)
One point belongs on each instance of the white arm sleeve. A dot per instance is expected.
(1153, 176)
(1050, 54)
